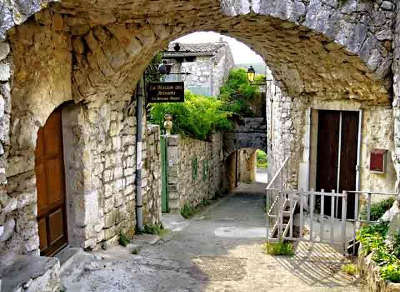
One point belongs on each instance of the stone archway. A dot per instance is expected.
(98, 55)
(330, 40)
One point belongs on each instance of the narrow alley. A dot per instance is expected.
(220, 249)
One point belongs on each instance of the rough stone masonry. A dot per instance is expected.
(91, 54)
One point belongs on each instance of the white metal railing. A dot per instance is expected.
(316, 216)
(275, 200)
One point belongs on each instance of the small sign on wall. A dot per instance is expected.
(159, 92)
(377, 161)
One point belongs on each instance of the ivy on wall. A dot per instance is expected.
(194, 169)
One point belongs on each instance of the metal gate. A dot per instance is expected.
(164, 174)
(315, 216)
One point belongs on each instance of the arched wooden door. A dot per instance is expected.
(50, 182)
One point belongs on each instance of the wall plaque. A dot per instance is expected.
(377, 162)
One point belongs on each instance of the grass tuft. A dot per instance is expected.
(279, 248)
(350, 269)
(157, 229)
(123, 239)
(187, 211)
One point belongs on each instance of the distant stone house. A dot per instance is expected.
(208, 64)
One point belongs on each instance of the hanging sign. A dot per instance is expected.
(158, 92)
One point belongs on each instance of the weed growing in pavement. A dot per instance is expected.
(350, 269)
(279, 248)
(123, 239)
(157, 229)
(187, 211)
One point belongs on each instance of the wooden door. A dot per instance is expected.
(50, 182)
(337, 131)
(327, 153)
(348, 158)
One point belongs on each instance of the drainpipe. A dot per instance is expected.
(140, 94)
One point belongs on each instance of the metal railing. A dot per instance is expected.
(317, 216)
(275, 200)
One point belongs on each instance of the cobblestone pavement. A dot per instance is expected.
(220, 249)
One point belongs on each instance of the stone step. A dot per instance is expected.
(35, 273)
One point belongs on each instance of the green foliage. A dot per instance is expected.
(350, 269)
(391, 272)
(372, 238)
(261, 159)
(123, 239)
(377, 209)
(152, 74)
(197, 117)
(157, 229)
(279, 248)
(204, 203)
(237, 93)
(195, 166)
(396, 245)
(152, 228)
(187, 211)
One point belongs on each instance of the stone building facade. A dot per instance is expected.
(293, 132)
(195, 170)
(208, 64)
(87, 56)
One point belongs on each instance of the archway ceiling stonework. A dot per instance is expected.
(314, 48)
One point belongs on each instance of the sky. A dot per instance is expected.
(241, 53)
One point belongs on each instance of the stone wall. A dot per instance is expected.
(224, 64)
(247, 165)
(195, 170)
(369, 271)
(396, 95)
(377, 133)
(285, 119)
(40, 84)
(94, 52)
(111, 167)
(304, 41)
(246, 133)
(100, 158)
(151, 176)
(8, 204)
(291, 131)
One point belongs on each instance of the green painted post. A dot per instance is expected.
(164, 175)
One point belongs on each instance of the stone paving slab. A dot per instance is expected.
(197, 258)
